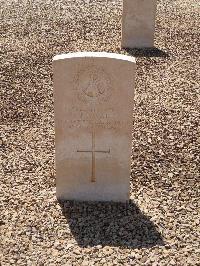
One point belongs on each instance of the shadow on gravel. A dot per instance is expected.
(110, 224)
(146, 52)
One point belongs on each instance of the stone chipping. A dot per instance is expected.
(160, 225)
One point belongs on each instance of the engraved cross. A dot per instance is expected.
(94, 151)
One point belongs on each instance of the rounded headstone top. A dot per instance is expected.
(94, 55)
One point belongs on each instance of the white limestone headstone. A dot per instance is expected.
(138, 23)
(93, 118)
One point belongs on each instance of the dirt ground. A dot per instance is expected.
(160, 226)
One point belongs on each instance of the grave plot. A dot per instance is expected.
(160, 225)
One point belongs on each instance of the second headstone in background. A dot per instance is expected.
(138, 23)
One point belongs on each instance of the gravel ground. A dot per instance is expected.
(160, 226)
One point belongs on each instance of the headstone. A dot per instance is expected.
(93, 118)
(138, 23)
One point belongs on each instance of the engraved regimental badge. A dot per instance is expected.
(93, 85)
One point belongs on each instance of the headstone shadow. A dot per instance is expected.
(110, 224)
(146, 52)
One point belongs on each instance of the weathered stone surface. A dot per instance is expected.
(138, 23)
(93, 117)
